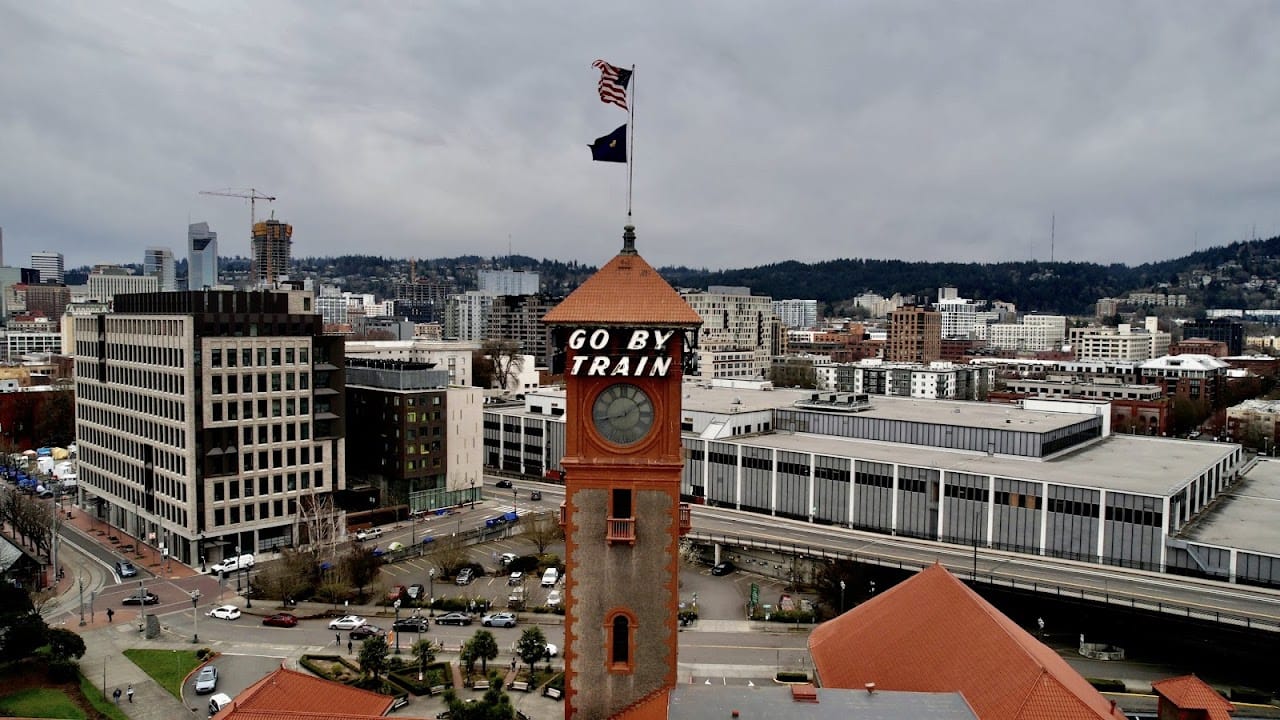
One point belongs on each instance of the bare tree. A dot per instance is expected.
(449, 554)
(504, 360)
(320, 526)
(542, 530)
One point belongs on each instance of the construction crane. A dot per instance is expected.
(251, 194)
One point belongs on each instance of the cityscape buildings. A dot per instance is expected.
(202, 256)
(158, 262)
(270, 248)
(49, 265)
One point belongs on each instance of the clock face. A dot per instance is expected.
(622, 414)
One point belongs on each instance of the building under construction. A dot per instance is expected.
(271, 241)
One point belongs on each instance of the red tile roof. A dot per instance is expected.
(1191, 693)
(289, 693)
(626, 291)
(933, 634)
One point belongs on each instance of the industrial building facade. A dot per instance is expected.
(1026, 480)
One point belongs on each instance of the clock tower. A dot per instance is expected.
(623, 336)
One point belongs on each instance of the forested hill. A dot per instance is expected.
(1067, 288)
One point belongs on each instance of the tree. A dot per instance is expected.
(361, 567)
(493, 705)
(532, 646)
(425, 652)
(65, 644)
(503, 360)
(320, 526)
(485, 647)
(373, 655)
(449, 555)
(467, 656)
(543, 531)
(56, 422)
(22, 630)
(295, 575)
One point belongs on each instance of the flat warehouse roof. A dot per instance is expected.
(1245, 516)
(1124, 463)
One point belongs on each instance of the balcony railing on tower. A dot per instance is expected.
(686, 519)
(622, 530)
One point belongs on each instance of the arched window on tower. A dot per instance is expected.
(620, 628)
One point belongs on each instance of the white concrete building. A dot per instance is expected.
(107, 281)
(158, 262)
(453, 356)
(49, 264)
(467, 315)
(1034, 333)
(797, 313)
(509, 282)
(1120, 343)
(736, 337)
(961, 317)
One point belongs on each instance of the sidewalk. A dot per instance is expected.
(103, 658)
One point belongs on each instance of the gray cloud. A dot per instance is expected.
(764, 131)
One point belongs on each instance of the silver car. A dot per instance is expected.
(502, 619)
(207, 679)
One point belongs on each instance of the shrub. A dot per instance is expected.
(63, 670)
(1249, 695)
(204, 653)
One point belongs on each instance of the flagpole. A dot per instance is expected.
(631, 141)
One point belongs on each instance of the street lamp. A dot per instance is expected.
(431, 578)
(473, 492)
(395, 627)
(237, 569)
(200, 551)
(195, 617)
(248, 588)
(82, 598)
(515, 495)
(841, 597)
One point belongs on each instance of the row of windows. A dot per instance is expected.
(165, 382)
(250, 512)
(244, 410)
(276, 459)
(133, 495)
(144, 404)
(238, 383)
(258, 357)
(124, 446)
(146, 354)
(129, 423)
(278, 483)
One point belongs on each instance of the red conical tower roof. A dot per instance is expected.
(626, 291)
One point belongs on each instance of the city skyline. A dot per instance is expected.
(1126, 133)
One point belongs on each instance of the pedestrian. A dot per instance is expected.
(513, 664)
(349, 647)
(129, 692)
(337, 639)
(110, 614)
(116, 696)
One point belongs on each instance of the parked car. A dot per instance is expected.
(503, 483)
(125, 569)
(417, 591)
(516, 578)
(217, 702)
(368, 534)
(551, 650)
(286, 620)
(365, 631)
(553, 598)
(501, 619)
(397, 592)
(465, 576)
(225, 612)
(347, 622)
(508, 558)
(550, 577)
(206, 679)
(148, 598)
(535, 495)
(232, 564)
(411, 624)
(454, 618)
(723, 568)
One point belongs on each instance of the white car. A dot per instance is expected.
(368, 534)
(347, 622)
(552, 650)
(225, 612)
(553, 598)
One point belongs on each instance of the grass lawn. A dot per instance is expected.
(101, 704)
(167, 667)
(40, 703)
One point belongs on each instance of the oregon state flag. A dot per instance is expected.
(611, 147)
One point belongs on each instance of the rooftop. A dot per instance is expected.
(696, 702)
(1244, 516)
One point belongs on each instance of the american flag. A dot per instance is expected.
(613, 83)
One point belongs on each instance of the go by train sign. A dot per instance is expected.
(626, 352)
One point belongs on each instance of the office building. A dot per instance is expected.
(202, 256)
(797, 313)
(509, 282)
(48, 299)
(271, 252)
(49, 264)
(1225, 330)
(158, 262)
(518, 318)
(1124, 342)
(210, 421)
(915, 335)
(467, 316)
(1034, 334)
(737, 338)
(105, 282)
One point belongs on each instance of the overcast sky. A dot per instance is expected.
(764, 131)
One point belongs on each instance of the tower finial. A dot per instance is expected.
(629, 239)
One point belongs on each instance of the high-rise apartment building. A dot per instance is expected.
(518, 318)
(915, 335)
(1124, 342)
(467, 315)
(1034, 333)
(202, 256)
(211, 421)
(797, 313)
(270, 247)
(509, 282)
(736, 339)
(49, 264)
(961, 317)
(158, 262)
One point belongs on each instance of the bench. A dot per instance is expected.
(400, 702)
(520, 685)
(435, 690)
(552, 693)
(480, 685)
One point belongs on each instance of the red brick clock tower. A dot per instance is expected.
(623, 336)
